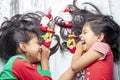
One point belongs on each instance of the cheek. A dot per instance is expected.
(35, 53)
(91, 43)
(36, 57)
(88, 44)
(34, 49)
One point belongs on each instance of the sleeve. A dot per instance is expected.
(6, 73)
(101, 47)
(43, 72)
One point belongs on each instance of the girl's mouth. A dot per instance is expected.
(83, 42)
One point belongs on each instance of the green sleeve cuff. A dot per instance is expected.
(45, 73)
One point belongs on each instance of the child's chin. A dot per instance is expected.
(39, 59)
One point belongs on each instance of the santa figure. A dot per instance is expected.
(66, 17)
(45, 21)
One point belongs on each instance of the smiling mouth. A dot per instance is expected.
(83, 42)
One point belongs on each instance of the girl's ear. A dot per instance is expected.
(22, 46)
(101, 37)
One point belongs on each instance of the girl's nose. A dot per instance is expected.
(80, 36)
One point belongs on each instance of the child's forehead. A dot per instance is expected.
(86, 26)
(34, 39)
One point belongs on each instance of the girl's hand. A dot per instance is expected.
(78, 53)
(45, 52)
(45, 56)
(79, 46)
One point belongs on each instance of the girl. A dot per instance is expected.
(28, 60)
(95, 52)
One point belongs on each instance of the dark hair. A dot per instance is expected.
(111, 31)
(14, 31)
(19, 28)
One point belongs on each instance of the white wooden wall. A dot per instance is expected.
(59, 62)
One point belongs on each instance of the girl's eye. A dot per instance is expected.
(84, 32)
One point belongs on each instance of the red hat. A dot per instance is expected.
(49, 14)
(67, 9)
